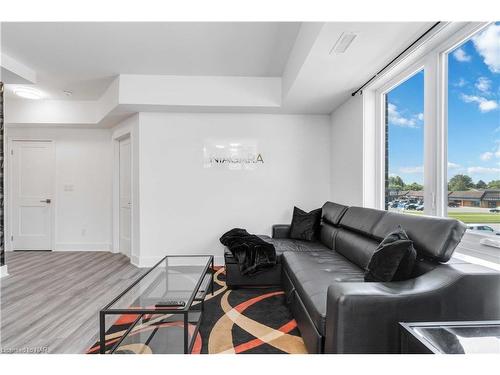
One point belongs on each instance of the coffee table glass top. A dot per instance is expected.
(459, 337)
(175, 278)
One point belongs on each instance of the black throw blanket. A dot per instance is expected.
(252, 252)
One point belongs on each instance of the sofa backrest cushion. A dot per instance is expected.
(433, 237)
(331, 213)
(361, 220)
(327, 235)
(356, 247)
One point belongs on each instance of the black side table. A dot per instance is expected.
(450, 337)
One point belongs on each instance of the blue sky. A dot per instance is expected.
(473, 114)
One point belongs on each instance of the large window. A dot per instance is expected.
(404, 146)
(474, 140)
(456, 155)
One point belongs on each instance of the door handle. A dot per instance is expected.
(46, 201)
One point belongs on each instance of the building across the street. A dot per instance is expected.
(476, 198)
(489, 198)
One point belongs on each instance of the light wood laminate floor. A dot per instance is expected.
(52, 299)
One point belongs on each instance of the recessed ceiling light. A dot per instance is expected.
(28, 93)
(67, 92)
(344, 42)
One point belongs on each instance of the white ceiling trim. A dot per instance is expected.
(15, 71)
(132, 93)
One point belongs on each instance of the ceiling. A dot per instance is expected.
(84, 57)
(327, 79)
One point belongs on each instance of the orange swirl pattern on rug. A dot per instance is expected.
(219, 335)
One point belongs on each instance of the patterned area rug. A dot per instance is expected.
(251, 321)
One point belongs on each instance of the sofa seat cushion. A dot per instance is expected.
(312, 272)
(283, 245)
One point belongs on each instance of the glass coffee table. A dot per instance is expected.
(450, 337)
(170, 294)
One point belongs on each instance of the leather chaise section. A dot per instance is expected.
(283, 245)
(295, 246)
(311, 273)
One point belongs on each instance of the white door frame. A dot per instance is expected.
(116, 194)
(9, 188)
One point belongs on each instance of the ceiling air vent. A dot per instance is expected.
(343, 43)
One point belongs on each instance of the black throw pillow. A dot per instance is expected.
(393, 260)
(305, 226)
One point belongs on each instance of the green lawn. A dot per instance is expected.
(476, 217)
(470, 217)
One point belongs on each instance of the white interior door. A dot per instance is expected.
(125, 196)
(32, 194)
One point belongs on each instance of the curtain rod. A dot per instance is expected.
(394, 59)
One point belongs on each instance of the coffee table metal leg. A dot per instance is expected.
(213, 276)
(102, 332)
(186, 336)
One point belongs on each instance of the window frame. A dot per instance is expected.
(441, 54)
(432, 58)
(381, 97)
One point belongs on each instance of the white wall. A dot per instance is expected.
(346, 182)
(83, 159)
(184, 207)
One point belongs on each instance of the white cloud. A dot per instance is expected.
(461, 55)
(482, 170)
(483, 84)
(453, 165)
(420, 116)
(485, 105)
(412, 170)
(461, 82)
(396, 118)
(485, 156)
(495, 153)
(487, 45)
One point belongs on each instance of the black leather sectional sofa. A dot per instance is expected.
(338, 312)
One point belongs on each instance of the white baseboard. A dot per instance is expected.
(83, 246)
(3, 271)
(135, 261)
(218, 260)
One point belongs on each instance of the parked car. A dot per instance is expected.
(419, 207)
(483, 228)
(410, 206)
(495, 210)
(453, 204)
